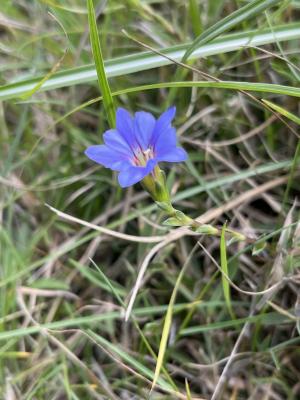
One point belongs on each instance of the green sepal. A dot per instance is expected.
(206, 230)
(161, 192)
(239, 237)
(165, 206)
(172, 221)
(184, 219)
(179, 219)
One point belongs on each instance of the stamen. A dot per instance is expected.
(142, 157)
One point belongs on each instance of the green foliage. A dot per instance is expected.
(242, 14)
(99, 63)
(65, 288)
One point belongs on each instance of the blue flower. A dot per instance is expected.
(137, 145)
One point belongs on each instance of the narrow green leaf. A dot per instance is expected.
(292, 172)
(296, 158)
(272, 318)
(91, 320)
(50, 283)
(282, 111)
(99, 63)
(231, 85)
(242, 14)
(188, 390)
(129, 359)
(147, 60)
(113, 290)
(91, 276)
(195, 17)
(39, 84)
(224, 266)
(168, 322)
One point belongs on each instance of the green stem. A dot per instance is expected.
(155, 185)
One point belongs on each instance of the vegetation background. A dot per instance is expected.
(228, 326)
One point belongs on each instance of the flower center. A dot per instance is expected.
(141, 157)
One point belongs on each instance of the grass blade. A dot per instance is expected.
(231, 85)
(97, 319)
(224, 266)
(147, 60)
(137, 365)
(242, 14)
(188, 391)
(168, 321)
(296, 158)
(282, 111)
(99, 63)
(195, 17)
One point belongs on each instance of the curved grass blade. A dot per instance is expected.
(246, 86)
(224, 266)
(36, 88)
(195, 17)
(168, 322)
(99, 63)
(147, 60)
(242, 14)
(137, 365)
(296, 158)
(282, 111)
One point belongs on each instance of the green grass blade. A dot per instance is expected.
(246, 86)
(39, 84)
(185, 194)
(91, 276)
(242, 14)
(137, 365)
(147, 60)
(113, 290)
(89, 320)
(282, 111)
(195, 17)
(267, 319)
(99, 63)
(168, 322)
(296, 158)
(188, 390)
(224, 266)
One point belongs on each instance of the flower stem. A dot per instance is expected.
(155, 185)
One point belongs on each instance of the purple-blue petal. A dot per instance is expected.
(144, 124)
(114, 140)
(125, 126)
(107, 157)
(134, 174)
(165, 141)
(176, 154)
(163, 123)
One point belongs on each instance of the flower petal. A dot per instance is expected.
(165, 142)
(163, 123)
(144, 123)
(177, 154)
(125, 126)
(107, 157)
(114, 140)
(134, 174)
